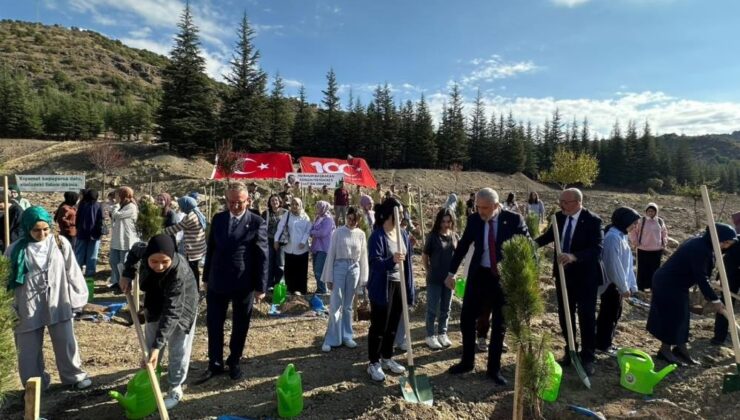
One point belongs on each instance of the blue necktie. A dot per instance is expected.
(568, 232)
(234, 224)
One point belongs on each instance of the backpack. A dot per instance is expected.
(661, 223)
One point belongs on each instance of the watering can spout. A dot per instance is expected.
(125, 402)
(663, 372)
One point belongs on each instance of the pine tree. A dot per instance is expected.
(386, 127)
(513, 147)
(302, 132)
(244, 113)
(683, 162)
(495, 155)
(585, 137)
(329, 122)
(574, 141)
(406, 133)
(478, 137)
(354, 127)
(453, 147)
(648, 154)
(185, 115)
(530, 150)
(280, 118)
(634, 170)
(423, 151)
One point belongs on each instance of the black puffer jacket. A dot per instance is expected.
(171, 300)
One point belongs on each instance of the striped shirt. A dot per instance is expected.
(195, 236)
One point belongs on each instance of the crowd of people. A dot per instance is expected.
(351, 239)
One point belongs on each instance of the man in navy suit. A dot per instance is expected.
(581, 241)
(236, 273)
(488, 229)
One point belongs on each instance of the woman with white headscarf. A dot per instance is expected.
(296, 225)
(48, 287)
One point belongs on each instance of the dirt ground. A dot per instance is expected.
(336, 384)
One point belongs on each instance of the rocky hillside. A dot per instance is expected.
(72, 59)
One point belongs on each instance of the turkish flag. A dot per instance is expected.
(355, 170)
(259, 166)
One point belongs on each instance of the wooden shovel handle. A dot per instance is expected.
(404, 303)
(563, 288)
(149, 368)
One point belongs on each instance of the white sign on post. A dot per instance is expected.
(314, 180)
(50, 183)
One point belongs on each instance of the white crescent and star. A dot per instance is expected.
(241, 164)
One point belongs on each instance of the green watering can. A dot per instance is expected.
(637, 371)
(289, 392)
(551, 388)
(460, 287)
(90, 288)
(279, 293)
(139, 400)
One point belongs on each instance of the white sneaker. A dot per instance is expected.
(376, 372)
(349, 343)
(432, 343)
(444, 340)
(391, 364)
(83, 384)
(482, 344)
(325, 348)
(173, 398)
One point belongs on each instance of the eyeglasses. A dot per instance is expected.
(568, 201)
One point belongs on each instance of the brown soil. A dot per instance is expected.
(336, 384)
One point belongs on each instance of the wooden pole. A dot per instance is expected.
(518, 413)
(137, 292)
(421, 218)
(729, 310)
(6, 218)
(149, 368)
(32, 397)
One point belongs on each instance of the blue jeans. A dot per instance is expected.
(345, 279)
(117, 256)
(439, 299)
(318, 267)
(86, 253)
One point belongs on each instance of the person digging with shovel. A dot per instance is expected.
(170, 305)
(669, 316)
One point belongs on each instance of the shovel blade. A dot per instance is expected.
(579, 368)
(417, 389)
(731, 382)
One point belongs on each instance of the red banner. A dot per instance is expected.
(355, 170)
(259, 166)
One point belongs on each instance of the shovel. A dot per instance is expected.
(415, 388)
(149, 369)
(731, 381)
(574, 358)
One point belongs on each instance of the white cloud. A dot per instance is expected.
(148, 44)
(665, 113)
(141, 33)
(292, 83)
(217, 64)
(494, 68)
(260, 28)
(569, 3)
(158, 13)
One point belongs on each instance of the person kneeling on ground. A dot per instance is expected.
(170, 306)
(669, 316)
(345, 273)
(48, 288)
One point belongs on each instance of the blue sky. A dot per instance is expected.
(673, 63)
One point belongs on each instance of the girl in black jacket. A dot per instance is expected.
(170, 305)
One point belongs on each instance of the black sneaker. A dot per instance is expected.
(716, 342)
(115, 288)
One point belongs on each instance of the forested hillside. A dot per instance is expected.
(70, 83)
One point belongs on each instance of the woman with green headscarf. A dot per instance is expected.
(48, 287)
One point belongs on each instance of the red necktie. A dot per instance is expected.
(492, 247)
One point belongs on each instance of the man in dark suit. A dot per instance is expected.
(581, 240)
(236, 272)
(488, 229)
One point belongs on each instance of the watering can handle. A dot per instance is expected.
(634, 352)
